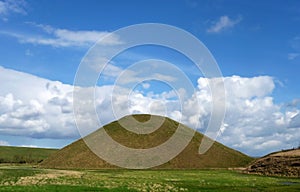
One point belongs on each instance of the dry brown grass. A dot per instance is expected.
(295, 152)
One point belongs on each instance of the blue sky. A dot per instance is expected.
(255, 43)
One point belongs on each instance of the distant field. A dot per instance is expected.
(23, 154)
(23, 178)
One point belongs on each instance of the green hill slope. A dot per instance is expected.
(78, 155)
(10, 154)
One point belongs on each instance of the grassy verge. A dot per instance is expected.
(31, 179)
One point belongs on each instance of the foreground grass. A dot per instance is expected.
(32, 179)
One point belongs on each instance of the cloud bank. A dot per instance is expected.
(39, 108)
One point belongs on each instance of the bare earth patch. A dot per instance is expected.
(44, 178)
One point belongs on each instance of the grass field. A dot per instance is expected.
(23, 154)
(22, 178)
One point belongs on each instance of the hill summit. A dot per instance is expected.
(79, 155)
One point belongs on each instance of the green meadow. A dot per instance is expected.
(27, 178)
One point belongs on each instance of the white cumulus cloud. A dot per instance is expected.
(44, 111)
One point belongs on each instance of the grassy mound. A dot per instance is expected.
(78, 155)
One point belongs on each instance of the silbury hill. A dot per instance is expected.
(79, 156)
